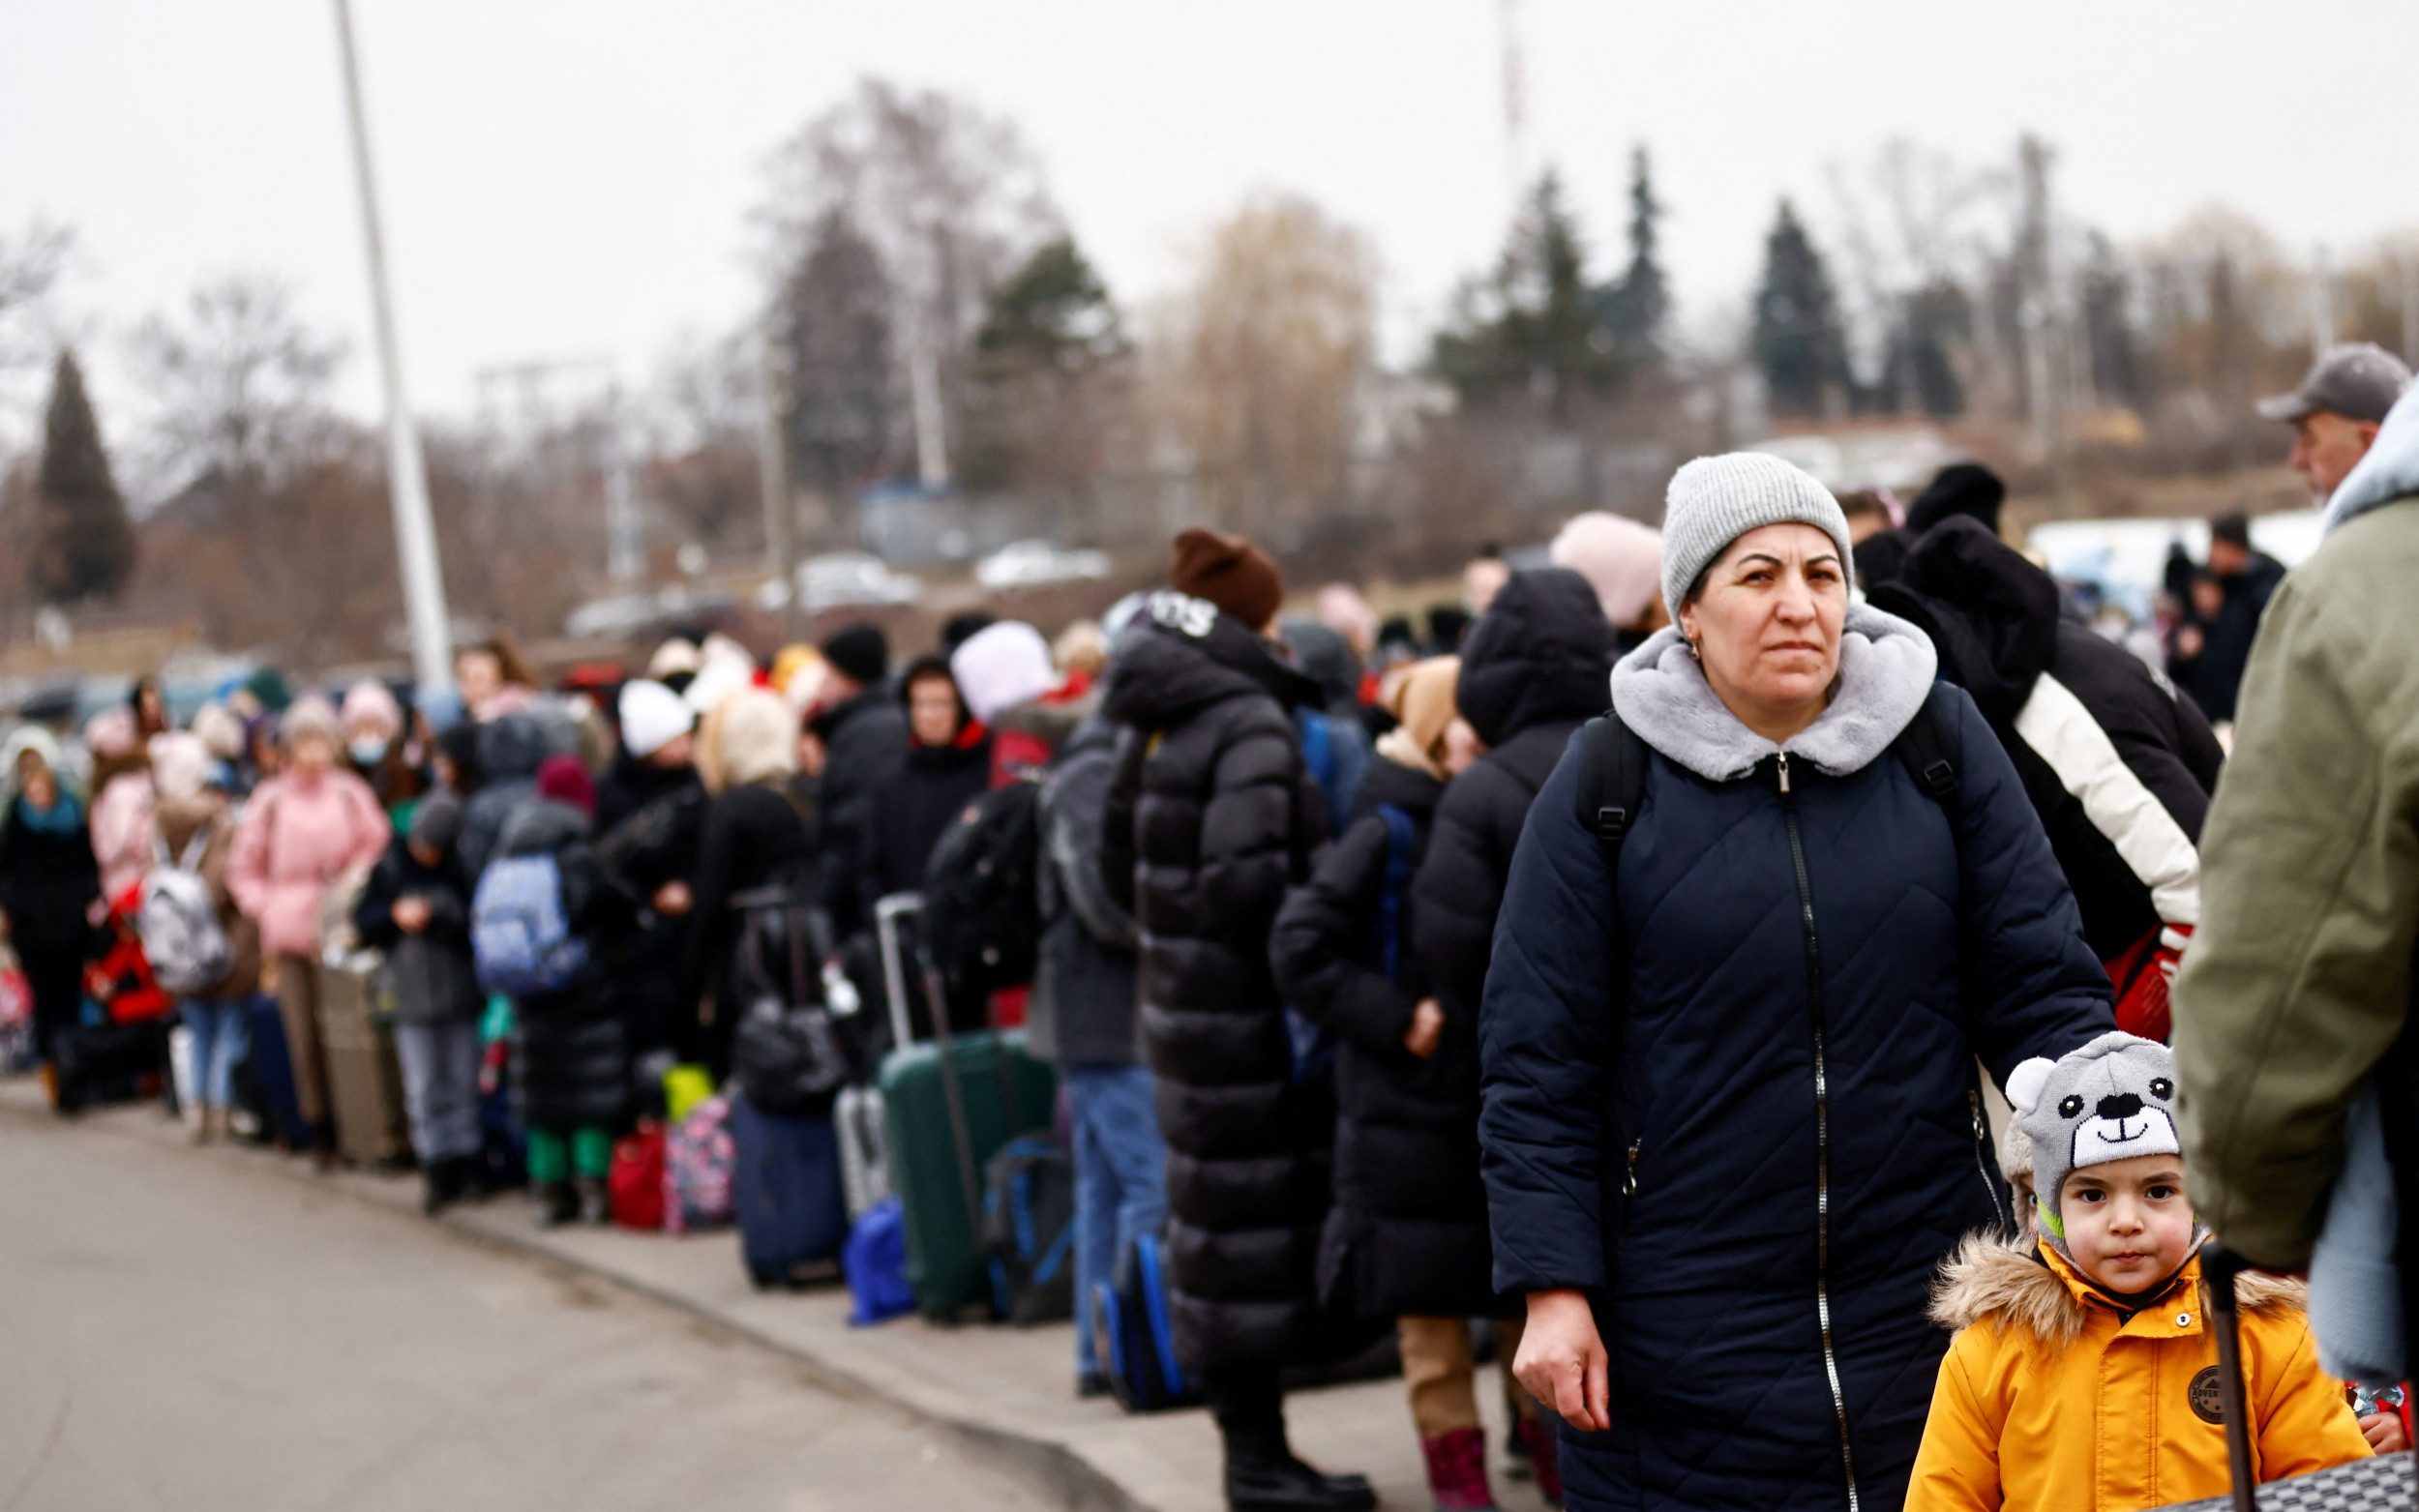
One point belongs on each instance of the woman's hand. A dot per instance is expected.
(1427, 1028)
(411, 914)
(673, 899)
(1561, 1361)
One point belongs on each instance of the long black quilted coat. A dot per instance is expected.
(1653, 1129)
(1209, 820)
(1408, 1233)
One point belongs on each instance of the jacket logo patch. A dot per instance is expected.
(1182, 613)
(2208, 1399)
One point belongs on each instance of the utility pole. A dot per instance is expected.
(773, 461)
(2321, 301)
(622, 553)
(1515, 103)
(407, 480)
(932, 440)
(2042, 343)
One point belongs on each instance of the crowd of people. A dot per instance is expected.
(1626, 964)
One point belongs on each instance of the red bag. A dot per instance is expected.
(635, 1183)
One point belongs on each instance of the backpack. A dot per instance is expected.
(520, 933)
(982, 892)
(1612, 779)
(1135, 1330)
(874, 1260)
(178, 922)
(1028, 1232)
(699, 1163)
(1313, 1044)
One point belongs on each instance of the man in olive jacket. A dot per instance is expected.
(2299, 985)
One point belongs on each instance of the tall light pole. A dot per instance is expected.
(407, 480)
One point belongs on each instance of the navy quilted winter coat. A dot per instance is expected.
(1736, 1088)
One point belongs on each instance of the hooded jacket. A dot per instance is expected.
(2055, 1395)
(1533, 672)
(1408, 1233)
(298, 838)
(2118, 767)
(511, 748)
(865, 739)
(1210, 819)
(431, 973)
(1730, 1092)
(2299, 985)
(2215, 678)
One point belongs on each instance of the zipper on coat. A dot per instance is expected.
(1981, 1162)
(1822, 1131)
(1629, 1182)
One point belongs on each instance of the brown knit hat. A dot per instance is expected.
(1231, 573)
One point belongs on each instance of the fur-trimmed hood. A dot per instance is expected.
(2016, 1281)
(1886, 668)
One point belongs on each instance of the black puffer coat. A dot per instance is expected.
(865, 740)
(572, 1069)
(2118, 766)
(511, 749)
(48, 880)
(908, 814)
(1535, 667)
(648, 846)
(1208, 821)
(1408, 1235)
(756, 836)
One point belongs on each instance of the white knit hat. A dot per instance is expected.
(1715, 500)
(652, 717)
(1001, 666)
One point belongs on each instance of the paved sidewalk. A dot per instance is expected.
(1003, 1392)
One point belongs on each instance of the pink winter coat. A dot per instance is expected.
(124, 832)
(297, 839)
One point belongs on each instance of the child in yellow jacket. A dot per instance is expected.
(2083, 1377)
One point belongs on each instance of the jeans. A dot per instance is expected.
(1120, 1180)
(440, 1065)
(221, 1036)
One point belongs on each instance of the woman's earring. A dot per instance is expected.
(1695, 652)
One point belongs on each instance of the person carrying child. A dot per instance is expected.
(2084, 1373)
(416, 908)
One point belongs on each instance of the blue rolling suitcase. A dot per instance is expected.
(791, 1204)
(267, 1076)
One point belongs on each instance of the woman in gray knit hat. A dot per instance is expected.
(1759, 928)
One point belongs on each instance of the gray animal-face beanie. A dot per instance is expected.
(1715, 500)
(2112, 1100)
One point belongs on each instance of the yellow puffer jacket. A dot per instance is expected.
(2051, 1399)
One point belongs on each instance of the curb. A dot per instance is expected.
(1050, 1466)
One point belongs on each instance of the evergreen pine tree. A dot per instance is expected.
(1537, 326)
(1053, 312)
(1640, 304)
(1800, 342)
(84, 542)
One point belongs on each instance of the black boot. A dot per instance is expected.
(1262, 1475)
(442, 1185)
(558, 1203)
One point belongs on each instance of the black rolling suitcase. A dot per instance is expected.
(2382, 1484)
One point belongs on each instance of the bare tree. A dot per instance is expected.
(1269, 352)
(32, 263)
(947, 194)
(238, 383)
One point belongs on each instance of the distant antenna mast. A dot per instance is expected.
(1515, 102)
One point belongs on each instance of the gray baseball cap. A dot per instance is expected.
(2358, 380)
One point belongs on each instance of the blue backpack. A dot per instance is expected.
(521, 935)
(1135, 1334)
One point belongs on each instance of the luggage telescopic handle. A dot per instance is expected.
(887, 915)
(2219, 1267)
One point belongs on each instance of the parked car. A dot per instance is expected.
(843, 579)
(1023, 564)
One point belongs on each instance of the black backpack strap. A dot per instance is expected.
(1930, 746)
(1612, 783)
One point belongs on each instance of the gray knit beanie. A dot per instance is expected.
(1715, 500)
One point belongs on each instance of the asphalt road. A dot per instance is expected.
(191, 1331)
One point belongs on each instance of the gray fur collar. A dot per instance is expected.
(1886, 668)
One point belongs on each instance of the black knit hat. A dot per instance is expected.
(860, 651)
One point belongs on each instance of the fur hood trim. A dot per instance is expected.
(2010, 1283)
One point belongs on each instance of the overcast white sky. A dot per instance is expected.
(571, 177)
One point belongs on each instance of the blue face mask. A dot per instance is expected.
(368, 751)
